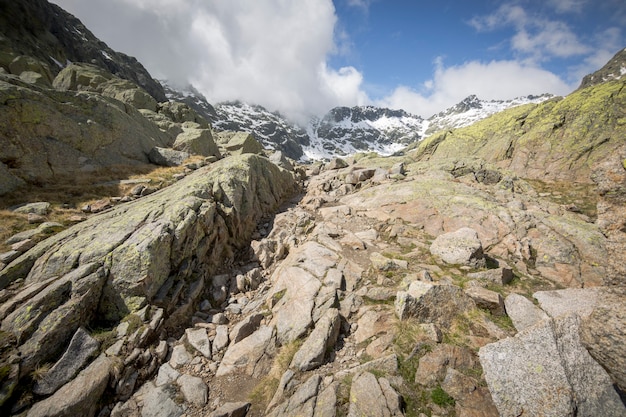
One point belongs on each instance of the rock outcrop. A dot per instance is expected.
(151, 251)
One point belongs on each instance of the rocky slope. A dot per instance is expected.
(480, 273)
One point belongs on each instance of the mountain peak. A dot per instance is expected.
(615, 69)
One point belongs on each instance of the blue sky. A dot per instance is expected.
(304, 57)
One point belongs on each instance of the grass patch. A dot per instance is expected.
(262, 393)
(342, 405)
(441, 398)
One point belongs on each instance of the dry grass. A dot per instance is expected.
(69, 193)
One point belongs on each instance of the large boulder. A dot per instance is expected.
(196, 142)
(461, 247)
(545, 370)
(87, 77)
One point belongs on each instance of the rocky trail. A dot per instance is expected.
(387, 288)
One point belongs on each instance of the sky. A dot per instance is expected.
(304, 57)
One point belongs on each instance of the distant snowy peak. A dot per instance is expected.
(473, 109)
(191, 97)
(348, 130)
(270, 128)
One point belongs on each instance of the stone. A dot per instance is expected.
(387, 364)
(194, 389)
(433, 365)
(167, 157)
(245, 327)
(571, 300)
(42, 208)
(432, 332)
(157, 402)
(397, 169)
(432, 303)
(323, 337)
(382, 263)
(79, 397)
(372, 323)
(325, 406)
(236, 409)
(199, 340)
(471, 399)
(221, 338)
(179, 357)
(242, 142)
(81, 348)
(8, 257)
(487, 299)
(368, 399)
(8, 181)
(336, 163)
(523, 312)
(24, 245)
(246, 355)
(500, 276)
(604, 335)
(545, 370)
(281, 160)
(293, 313)
(196, 142)
(462, 247)
(166, 375)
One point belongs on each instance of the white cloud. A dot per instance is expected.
(536, 38)
(496, 80)
(568, 6)
(268, 52)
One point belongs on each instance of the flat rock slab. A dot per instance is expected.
(81, 348)
(322, 338)
(370, 398)
(199, 339)
(462, 247)
(295, 290)
(571, 300)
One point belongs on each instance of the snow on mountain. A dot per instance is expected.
(271, 129)
(348, 130)
(343, 131)
(473, 109)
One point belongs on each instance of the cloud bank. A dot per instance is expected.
(276, 53)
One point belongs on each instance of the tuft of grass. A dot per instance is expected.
(441, 398)
(40, 372)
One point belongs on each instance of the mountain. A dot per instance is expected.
(343, 130)
(615, 69)
(52, 36)
(270, 128)
(472, 109)
(348, 130)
